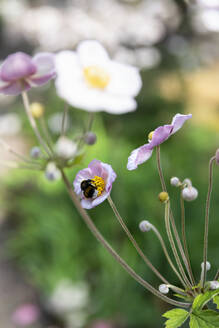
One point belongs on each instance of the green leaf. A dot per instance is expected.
(203, 299)
(204, 319)
(175, 317)
(216, 301)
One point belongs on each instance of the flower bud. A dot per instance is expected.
(35, 152)
(189, 193)
(163, 196)
(214, 284)
(164, 289)
(187, 182)
(52, 173)
(174, 181)
(208, 266)
(90, 138)
(37, 110)
(145, 226)
(217, 156)
(65, 148)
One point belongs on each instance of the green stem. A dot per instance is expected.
(133, 241)
(102, 240)
(64, 117)
(207, 210)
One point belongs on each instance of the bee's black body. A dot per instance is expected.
(89, 189)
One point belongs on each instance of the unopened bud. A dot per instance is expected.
(217, 156)
(214, 284)
(145, 226)
(174, 181)
(65, 148)
(189, 194)
(163, 196)
(90, 138)
(164, 289)
(35, 152)
(52, 173)
(37, 110)
(150, 135)
(208, 266)
(187, 182)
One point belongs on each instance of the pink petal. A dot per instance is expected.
(45, 68)
(178, 121)
(161, 134)
(17, 66)
(15, 88)
(139, 156)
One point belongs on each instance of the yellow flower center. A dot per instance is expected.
(96, 77)
(99, 184)
(150, 135)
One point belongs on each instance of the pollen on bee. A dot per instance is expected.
(99, 184)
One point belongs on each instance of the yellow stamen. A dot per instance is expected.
(150, 135)
(99, 184)
(96, 77)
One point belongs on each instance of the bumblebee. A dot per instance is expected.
(89, 188)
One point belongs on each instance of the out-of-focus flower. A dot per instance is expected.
(10, 124)
(55, 122)
(217, 157)
(26, 315)
(158, 136)
(88, 79)
(19, 72)
(189, 193)
(35, 152)
(94, 183)
(65, 148)
(214, 284)
(52, 173)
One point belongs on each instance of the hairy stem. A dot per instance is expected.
(207, 210)
(102, 240)
(133, 241)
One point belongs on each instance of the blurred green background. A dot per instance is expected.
(46, 237)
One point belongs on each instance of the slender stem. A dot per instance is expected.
(184, 238)
(207, 209)
(12, 151)
(16, 165)
(173, 247)
(33, 123)
(133, 241)
(46, 133)
(176, 235)
(64, 117)
(166, 253)
(90, 121)
(102, 240)
(217, 275)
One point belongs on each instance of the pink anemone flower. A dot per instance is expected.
(157, 137)
(19, 72)
(94, 183)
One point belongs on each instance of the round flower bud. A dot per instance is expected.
(217, 156)
(189, 194)
(208, 265)
(65, 148)
(163, 196)
(37, 110)
(145, 226)
(214, 284)
(150, 135)
(164, 289)
(90, 138)
(52, 173)
(174, 181)
(35, 152)
(187, 182)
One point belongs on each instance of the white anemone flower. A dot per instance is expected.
(88, 79)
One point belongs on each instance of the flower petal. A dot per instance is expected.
(178, 121)
(124, 79)
(82, 175)
(161, 134)
(95, 167)
(109, 177)
(87, 203)
(139, 156)
(91, 53)
(45, 68)
(100, 199)
(17, 66)
(14, 88)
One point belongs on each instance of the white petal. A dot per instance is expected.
(91, 53)
(66, 63)
(117, 104)
(124, 79)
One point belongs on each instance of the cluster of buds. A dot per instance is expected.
(188, 192)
